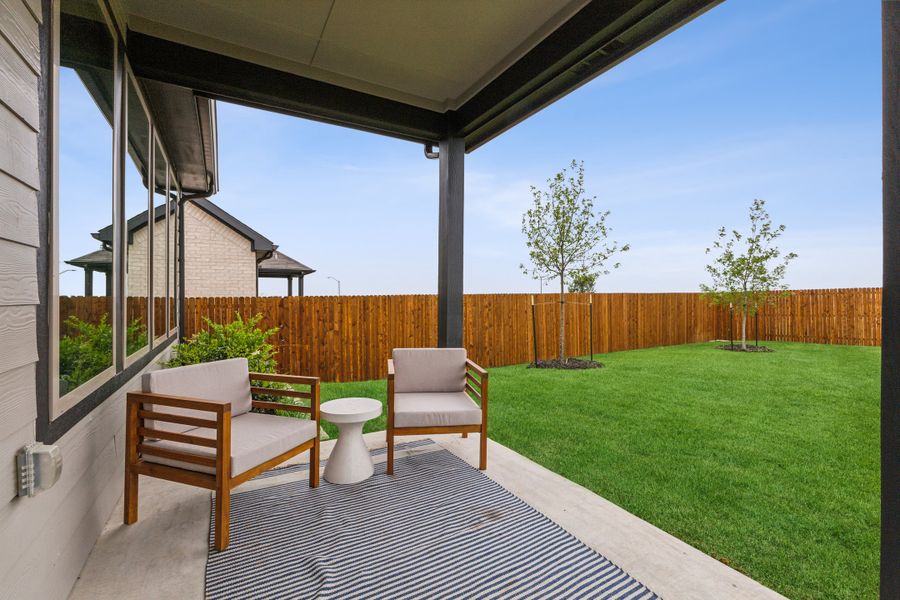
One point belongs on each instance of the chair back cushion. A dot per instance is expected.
(219, 380)
(429, 370)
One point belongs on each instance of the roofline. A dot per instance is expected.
(599, 36)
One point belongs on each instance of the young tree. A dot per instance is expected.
(566, 237)
(749, 267)
(582, 282)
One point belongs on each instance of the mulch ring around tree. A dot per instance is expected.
(749, 348)
(569, 363)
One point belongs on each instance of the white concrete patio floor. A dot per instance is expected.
(164, 554)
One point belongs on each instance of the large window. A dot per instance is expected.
(112, 275)
(83, 213)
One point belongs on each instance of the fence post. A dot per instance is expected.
(591, 325)
(534, 330)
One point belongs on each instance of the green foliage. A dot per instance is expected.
(582, 282)
(566, 239)
(239, 338)
(89, 351)
(749, 270)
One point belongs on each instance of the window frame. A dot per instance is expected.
(57, 414)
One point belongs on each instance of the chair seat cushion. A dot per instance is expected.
(255, 438)
(430, 409)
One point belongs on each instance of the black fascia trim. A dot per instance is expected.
(579, 50)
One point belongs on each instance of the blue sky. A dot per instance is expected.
(779, 100)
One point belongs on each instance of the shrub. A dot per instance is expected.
(89, 350)
(237, 339)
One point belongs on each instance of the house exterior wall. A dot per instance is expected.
(45, 540)
(55, 531)
(218, 260)
(19, 234)
(137, 263)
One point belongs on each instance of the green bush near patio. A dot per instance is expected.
(768, 462)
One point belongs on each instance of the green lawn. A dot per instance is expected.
(768, 462)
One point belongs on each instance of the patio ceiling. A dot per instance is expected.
(414, 70)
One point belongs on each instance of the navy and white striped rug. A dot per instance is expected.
(438, 529)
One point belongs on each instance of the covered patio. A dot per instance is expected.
(164, 555)
(449, 77)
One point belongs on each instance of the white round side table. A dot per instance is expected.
(350, 461)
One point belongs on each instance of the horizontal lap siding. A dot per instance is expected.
(54, 531)
(19, 182)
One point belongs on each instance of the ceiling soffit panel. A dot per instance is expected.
(433, 54)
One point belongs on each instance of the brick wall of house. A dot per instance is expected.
(218, 260)
(137, 264)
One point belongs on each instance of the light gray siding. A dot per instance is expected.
(19, 181)
(45, 540)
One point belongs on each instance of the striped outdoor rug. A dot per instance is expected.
(437, 529)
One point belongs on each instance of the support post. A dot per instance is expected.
(290, 286)
(88, 282)
(450, 243)
(300, 285)
(890, 324)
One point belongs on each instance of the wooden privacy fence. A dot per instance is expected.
(839, 316)
(349, 338)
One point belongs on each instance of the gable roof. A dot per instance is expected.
(282, 265)
(100, 260)
(258, 242)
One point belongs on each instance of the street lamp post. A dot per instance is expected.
(338, 283)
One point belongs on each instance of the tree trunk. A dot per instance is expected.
(562, 319)
(744, 329)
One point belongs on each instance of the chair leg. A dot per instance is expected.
(390, 452)
(131, 497)
(223, 515)
(482, 460)
(314, 464)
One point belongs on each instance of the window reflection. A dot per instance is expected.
(84, 195)
(160, 216)
(137, 261)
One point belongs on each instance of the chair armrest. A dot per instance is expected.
(390, 368)
(312, 395)
(482, 372)
(477, 386)
(279, 378)
(135, 432)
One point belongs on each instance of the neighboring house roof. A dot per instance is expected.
(258, 242)
(271, 263)
(134, 223)
(282, 265)
(99, 260)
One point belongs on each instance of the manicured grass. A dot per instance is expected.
(766, 461)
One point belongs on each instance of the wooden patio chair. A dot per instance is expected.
(433, 390)
(193, 425)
